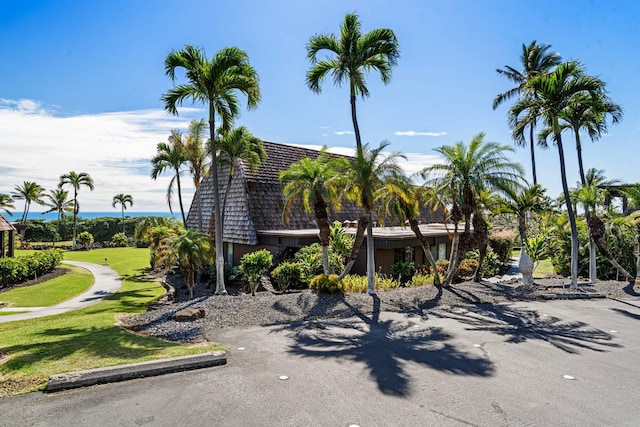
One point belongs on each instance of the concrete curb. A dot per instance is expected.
(135, 370)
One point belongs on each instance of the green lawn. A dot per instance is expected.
(52, 292)
(9, 313)
(86, 338)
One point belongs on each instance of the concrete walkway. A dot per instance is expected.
(106, 282)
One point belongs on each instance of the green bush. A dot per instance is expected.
(420, 279)
(353, 283)
(40, 231)
(23, 268)
(119, 240)
(403, 270)
(326, 284)
(467, 268)
(85, 238)
(502, 243)
(287, 275)
(490, 266)
(253, 265)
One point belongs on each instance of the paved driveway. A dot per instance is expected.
(560, 363)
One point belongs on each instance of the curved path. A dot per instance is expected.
(106, 282)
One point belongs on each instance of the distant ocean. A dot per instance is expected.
(90, 215)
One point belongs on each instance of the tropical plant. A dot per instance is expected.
(196, 150)
(324, 284)
(633, 193)
(287, 275)
(537, 248)
(235, 145)
(192, 251)
(214, 83)
(29, 192)
(6, 203)
(399, 198)
(555, 92)
(315, 184)
(535, 60)
(523, 202)
(119, 240)
(350, 57)
(77, 181)
(85, 239)
(369, 171)
(467, 172)
(58, 203)
(253, 265)
(122, 200)
(171, 156)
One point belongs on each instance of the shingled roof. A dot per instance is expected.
(5, 225)
(255, 202)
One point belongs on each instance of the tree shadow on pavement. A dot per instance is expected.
(385, 347)
(520, 325)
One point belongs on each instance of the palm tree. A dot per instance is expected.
(399, 198)
(535, 60)
(523, 202)
(122, 200)
(29, 192)
(197, 152)
(467, 172)
(76, 180)
(191, 250)
(6, 203)
(314, 183)
(368, 171)
(171, 156)
(555, 92)
(352, 56)
(633, 193)
(58, 203)
(214, 83)
(235, 145)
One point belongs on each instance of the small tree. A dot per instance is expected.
(253, 265)
(85, 239)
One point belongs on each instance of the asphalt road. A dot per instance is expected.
(559, 363)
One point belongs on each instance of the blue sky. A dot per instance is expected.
(81, 82)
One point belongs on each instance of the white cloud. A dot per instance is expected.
(414, 133)
(344, 132)
(114, 148)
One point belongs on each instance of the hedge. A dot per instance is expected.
(23, 268)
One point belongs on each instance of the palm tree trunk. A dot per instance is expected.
(571, 213)
(426, 248)
(363, 222)
(184, 220)
(354, 119)
(533, 154)
(371, 261)
(480, 234)
(463, 247)
(597, 229)
(122, 209)
(75, 216)
(220, 288)
(522, 228)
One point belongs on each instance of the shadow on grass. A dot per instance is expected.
(141, 275)
(385, 347)
(520, 325)
(107, 342)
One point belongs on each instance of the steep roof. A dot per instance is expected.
(5, 225)
(255, 201)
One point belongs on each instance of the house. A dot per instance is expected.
(253, 216)
(6, 230)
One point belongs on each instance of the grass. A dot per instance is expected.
(11, 313)
(35, 349)
(52, 292)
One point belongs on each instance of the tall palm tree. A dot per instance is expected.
(215, 83)
(191, 250)
(197, 154)
(76, 180)
(467, 172)
(534, 60)
(171, 156)
(29, 192)
(123, 200)
(555, 92)
(59, 203)
(368, 171)
(314, 183)
(6, 203)
(351, 57)
(399, 198)
(235, 145)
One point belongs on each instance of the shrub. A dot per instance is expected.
(420, 279)
(403, 270)
(326, 284)
(287, 275)
(22, 268)
(502, 243)
(119, 240)
(467, 268)
(85, 238)
(490, 266)
(537, 247)
(353, 283)
(253, 265)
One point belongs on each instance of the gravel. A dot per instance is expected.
(239, 309)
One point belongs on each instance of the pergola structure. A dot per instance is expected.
(6, 228)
